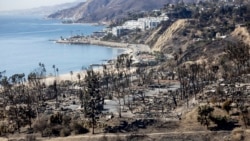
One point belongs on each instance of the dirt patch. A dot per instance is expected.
(241, 33)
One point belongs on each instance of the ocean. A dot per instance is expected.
(26, 41)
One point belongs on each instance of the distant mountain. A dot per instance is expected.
(44, 10)
(105, 10)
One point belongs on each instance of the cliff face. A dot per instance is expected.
(166, 39)
(106, 10)
(170, 39)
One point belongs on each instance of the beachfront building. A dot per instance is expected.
(133, 24)
(152, 22)
(142, 24)
(119, 30)
(99, 33)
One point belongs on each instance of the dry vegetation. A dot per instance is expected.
(196, 88)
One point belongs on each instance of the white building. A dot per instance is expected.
(141, 23)
(119, 30)
(152, 22)
(133, 24)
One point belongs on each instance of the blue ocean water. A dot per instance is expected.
(25, 41)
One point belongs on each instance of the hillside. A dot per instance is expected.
(106, 10)
(167, 39)
(241, 33)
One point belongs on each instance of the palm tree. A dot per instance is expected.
(71, 73)
(57, 70)
(56, 92)
(44, 71)
(79, 77)
(54, 67)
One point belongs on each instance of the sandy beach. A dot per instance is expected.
(68, 76)
(131, 49)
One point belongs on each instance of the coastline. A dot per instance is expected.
(131, 49)
(92, 41)
(68, 76)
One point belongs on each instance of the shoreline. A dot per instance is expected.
(67, 76)
(131, 49)
(91, 41)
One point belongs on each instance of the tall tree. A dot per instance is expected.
(92, 103)
(71, 74)
(54, 67)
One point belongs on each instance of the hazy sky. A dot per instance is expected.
(25, 4)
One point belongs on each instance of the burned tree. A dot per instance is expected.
(239, 54)
(93, 98)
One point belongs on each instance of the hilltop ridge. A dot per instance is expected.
(108, 10)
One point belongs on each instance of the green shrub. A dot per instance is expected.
(204, 113)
